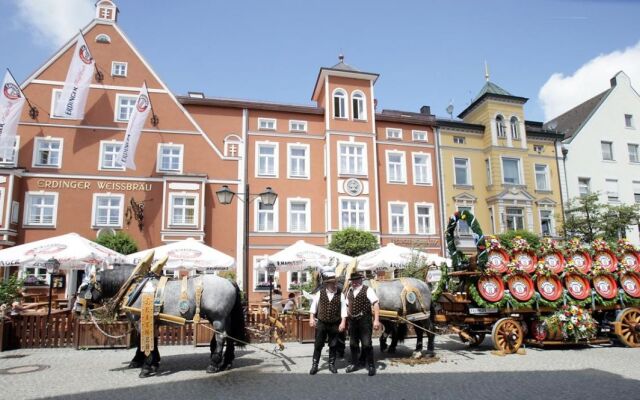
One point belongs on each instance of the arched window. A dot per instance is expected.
(232, 146)
(515, 132)
(358, 105)
(500, 128)
(103, 38)
(339, 104)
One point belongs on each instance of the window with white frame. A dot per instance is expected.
(41, 209)
(48, 152)
(184, 209)
(265, 217)
(124, 107)
(353, 214)
(339, 104)
(422, 169)
(394, 133)
(119, 68)
(500, 127)
(267, 154)
(546, 222)
(260, 275)
(34, 276)
(611, 186)
(358, 106)
(170, 157)
(297, 126)
(299, 215)
(107, 210)
(584, 186)
(461, 169)
(634, 156)
(109, 156)
(459, 140)
(487, 168)
(352, 159)
(514, 218)
(295, 279)
(15, 212)
(636, 192)
(232, 145)
(515, 128)
(542, 177)
(298, 161)
(9, 156)
(607, 150)
(511, 171)
(398, 218)
(419, 136)
(266, 124)
(396, 167)
(628, 121)
(424, 219)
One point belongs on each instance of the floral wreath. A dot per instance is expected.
(600, 244)
(520, 244)
(574, 322)
(625, 245)
(542, 270)
(493, 242)
(574, 245)
(572, 268)
(549, 246)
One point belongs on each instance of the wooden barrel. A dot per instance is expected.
(631, 260)
(630, 283)
(520, 287)
(605, 286)
(549, 287)
(491, 288)
(577, 286)
(497, 260)
(525, 260)
(581, 259)
(607, 259)
(554, 262)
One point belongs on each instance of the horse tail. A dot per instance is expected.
(402, 332)
(237, 329)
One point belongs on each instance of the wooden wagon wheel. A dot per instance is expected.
(628, 329)
(507, 335)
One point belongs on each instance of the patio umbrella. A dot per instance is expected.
(393, 256)
(189, 254)
(301, 255)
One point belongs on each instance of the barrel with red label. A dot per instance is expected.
(630, 283)
(605, 286)
(581, 260)
(631, 260)
(520, 287)
(497, 260)
(577, 285)
(525, 260)
(549, 287)
(607, 260)
(554, 262)
(491, 288)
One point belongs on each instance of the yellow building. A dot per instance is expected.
(501, 167)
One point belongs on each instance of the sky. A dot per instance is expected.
(557, 53)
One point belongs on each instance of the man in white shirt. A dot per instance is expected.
(360, 300)
(329, 307)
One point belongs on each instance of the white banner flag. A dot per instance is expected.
(11, 102)
(137, 119)
(76, 87)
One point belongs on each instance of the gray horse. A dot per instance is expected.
(220, 304)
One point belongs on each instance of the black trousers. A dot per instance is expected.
(360, 330)
(325, 330)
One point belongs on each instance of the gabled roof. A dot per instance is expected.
(570, 123)
(491, 90)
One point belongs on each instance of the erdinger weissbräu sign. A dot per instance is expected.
(93, 185)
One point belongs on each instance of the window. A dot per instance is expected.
(103, 38)
(119, 68)
(124, 107)
(628, 120)
(109, 156)
(636, 192)
(394, 133)
(34, 276)
(266, 124)
(353, 214)
(584, 186)
(15, 212)
(339, 104)
(41, 209)
(463, 227)
(170, 157)
(352, 159)
(461, 166)
(297, 126)
(260, 275)
(546, 222)
(396, 167)
(515, 129)
(542, 177)
(611, 186)
(424, 219)
(511, 171)
(487, 167)
(8, 156)
(107, 210)
(500, 128)
(538, 148)
(459, 139)
(515, 218)
(419, 136)
(607, 150)
(48, 152)
(398, 218)
(266, 217)
(184, 209)
(358, 106)
(298, 215)
(295, 279)
(421, 169)
(267, 154)
(232, 145)
(298, 161)
(633, 153)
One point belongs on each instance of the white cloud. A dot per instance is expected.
(54, 22)
(561, 93)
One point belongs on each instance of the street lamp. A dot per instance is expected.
(225, 197)
(52, 265)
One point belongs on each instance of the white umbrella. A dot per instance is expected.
(189, 254)
(302, 255)
(71, 250)
(393, 256)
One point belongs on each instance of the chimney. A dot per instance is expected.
(426, 110)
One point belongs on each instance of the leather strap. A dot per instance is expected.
(199, 289)
(159, 298)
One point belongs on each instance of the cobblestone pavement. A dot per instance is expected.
(599, 372)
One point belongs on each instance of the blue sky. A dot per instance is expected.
(427, 52)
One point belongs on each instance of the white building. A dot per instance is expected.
(601, 147)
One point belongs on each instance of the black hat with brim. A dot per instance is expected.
(355, 276)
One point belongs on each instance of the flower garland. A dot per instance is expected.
(494, 243)
(575, 245)
(625, 245)
(549, 246)
(597, 269)
(481, 302)
(600, 244)
(520, 244)
(442, 283)
(574, 322)
(626, 299)
(541, 270)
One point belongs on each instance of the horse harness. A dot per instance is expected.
(410, 294)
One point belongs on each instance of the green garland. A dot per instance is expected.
(442, 283)
(457, 257)
(629, 301)
(477, 298)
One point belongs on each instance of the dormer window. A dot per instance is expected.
(339, 104)
(515, 133)
(358, 105)
(500, 128)
(106, 10)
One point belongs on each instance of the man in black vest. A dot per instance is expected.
(329, 307)
(360, 300)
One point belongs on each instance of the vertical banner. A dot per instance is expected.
(137, 119)
(11, 102)
(76, 87)
(146, 319)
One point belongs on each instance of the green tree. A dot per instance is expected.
(120, 242)
(353, 242)
(507, 238)
(10, 289)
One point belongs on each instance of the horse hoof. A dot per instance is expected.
(416, 355)
(212, 369)
(134, 364)
(144, 373)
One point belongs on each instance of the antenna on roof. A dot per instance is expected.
(486, 71)
(450, 109)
